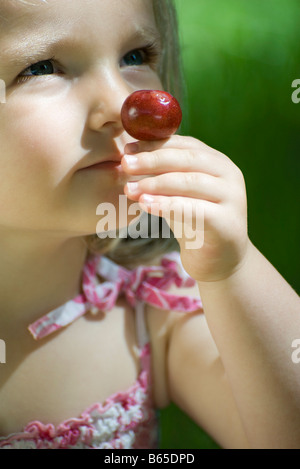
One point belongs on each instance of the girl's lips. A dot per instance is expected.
(110, 168)
(105, 166)
(114, 167)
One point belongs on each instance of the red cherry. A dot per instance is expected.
(151, 115)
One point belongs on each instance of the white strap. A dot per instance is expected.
(141, 327)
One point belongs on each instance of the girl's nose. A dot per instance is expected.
(108, 93)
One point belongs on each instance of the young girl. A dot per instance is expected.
(100, 333)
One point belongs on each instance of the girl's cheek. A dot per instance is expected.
(41, 106)
(44, 135)
(149, 79)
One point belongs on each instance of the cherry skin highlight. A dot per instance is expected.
(151, 115)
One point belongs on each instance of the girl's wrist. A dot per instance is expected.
(242, 268)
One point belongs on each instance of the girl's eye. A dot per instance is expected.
(45, 67)
(134, 58)
(41, 68)
(147, 55)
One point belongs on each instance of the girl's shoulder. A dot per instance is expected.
(161, 323)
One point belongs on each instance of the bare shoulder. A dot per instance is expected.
(161, 325)
(188, 370)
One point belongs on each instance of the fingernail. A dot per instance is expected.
(133, 187)
(147, 199)
(131, 161)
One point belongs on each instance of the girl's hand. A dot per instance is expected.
(188, 175)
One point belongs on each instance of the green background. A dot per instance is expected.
(240, 59)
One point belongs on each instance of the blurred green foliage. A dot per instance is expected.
(240, 58)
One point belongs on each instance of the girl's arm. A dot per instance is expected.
(187, 370)
(254, 316)
(250, 397)
(252, 313)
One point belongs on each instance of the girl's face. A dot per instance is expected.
(68, 67)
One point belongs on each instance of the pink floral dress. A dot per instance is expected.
(127, 419)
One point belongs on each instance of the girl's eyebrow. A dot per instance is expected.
(24, 53)
(27, 51)
(147, 33)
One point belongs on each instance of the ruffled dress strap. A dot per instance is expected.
(145, 284)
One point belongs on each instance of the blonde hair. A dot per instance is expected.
(132, 252)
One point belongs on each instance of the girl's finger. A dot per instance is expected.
(172, 160)
(176, 141)
(193, 185)
(194, 212)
